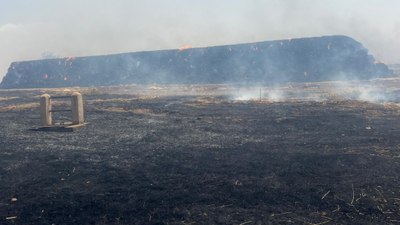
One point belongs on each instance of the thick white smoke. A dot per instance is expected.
(76, 28)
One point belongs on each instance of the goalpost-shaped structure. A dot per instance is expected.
(76, 109)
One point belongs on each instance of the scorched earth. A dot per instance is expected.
(195, 155)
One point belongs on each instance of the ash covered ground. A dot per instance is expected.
(311, 153)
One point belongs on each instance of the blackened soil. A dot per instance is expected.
(190, 160)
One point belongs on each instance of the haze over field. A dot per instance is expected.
(44, 28)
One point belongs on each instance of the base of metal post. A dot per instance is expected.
(62, 127)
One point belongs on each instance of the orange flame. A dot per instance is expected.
(185, 47)
(69, 58)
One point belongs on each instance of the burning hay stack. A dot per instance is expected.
(270, 62)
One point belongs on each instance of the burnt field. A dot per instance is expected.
(314, 153)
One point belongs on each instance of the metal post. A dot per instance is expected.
(77, 108)
(45, 108)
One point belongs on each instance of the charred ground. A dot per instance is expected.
(201, 158)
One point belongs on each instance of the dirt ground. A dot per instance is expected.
(199, 156)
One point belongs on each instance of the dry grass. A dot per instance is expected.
(204, 101)
(147, 112)
(390, 105)
(113, 109)
(19, 107)
(7, 98)
(110, 100)
(143, 112)
(140, 97)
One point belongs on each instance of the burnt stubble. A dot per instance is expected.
(200, 158)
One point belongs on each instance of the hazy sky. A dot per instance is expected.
(31, 28)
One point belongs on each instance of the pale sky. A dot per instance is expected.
(30, 29)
